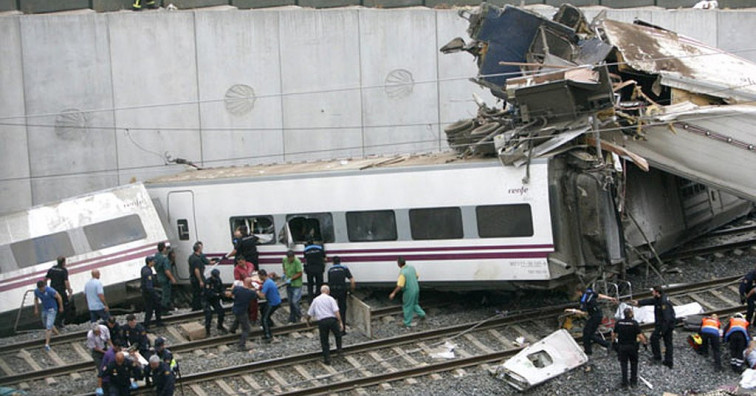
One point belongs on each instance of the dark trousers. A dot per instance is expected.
(738, 344)
(629, 354)
(241, 320)
(196, 295)
(267, 322)
(115, 390)
(314, 281)
(712, 339)
(151, 304)
(665, 332)
(97, 358)
(214, 305)
(590, 336)
(60, 317)
(326, 326)
(253, 309)
(341, 300)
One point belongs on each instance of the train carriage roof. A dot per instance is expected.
(304, 168)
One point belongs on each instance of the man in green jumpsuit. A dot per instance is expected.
(407, 282)
(164, 275)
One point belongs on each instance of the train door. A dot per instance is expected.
(181, 218)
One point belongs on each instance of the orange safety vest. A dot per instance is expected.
(710, 324)
(738, 322)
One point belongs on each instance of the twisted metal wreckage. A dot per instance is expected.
(636, 91)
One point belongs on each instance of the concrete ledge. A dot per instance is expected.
(246, 4)
(186, 4)
(327, 3)
(576, 3)
(627, 3)
(39, 6)
(676, 3)
(111, 5)
(392, 3)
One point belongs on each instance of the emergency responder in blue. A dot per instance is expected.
(165, 354)
(150, 296)
(589, 307)
(136, 336)
(626, 334)
(664, 324)
(197, 263)
(213, 293)
(736, 334)
(268, 291)
(161, 376)
(748, 294)
(337, 277)
(121, 371)
(314, 255)
(710, 326)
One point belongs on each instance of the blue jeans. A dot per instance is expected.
(295, 295)
(98, 314)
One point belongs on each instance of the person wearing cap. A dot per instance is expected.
(161, 375)
(736, 334)
(165, 354)
(242, 295)
(626, 333)
(149, 295)
(268, 291)
(98, 341)
(292, 269)
(213, 294)
(337, 277)
(315, 257)
(710, 335)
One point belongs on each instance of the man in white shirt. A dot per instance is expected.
(95, 294)
(325, 310)
(98, 341)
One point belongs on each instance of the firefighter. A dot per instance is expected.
(736, 334)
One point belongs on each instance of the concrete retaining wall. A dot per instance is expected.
(91, 100)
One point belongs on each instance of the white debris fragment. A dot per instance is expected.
(446, 351)
(748, 379)
(519, 341)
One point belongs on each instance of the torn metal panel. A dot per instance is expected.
(662, 52)
(550, 357)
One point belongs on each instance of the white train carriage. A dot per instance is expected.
(461, 222)
(111, 230)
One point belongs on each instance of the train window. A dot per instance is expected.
(42, 249)
(377, 225)
(262, 226)
(502, 221)
(436, 223)
(182, 226)
(318, 226)
(115, 232)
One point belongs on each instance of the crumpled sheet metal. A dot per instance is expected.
(659, 51)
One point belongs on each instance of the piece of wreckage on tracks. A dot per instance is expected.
(595, 98)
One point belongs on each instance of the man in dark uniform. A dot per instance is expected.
(150, 295)
(116, 331)
(337, 277)
(120, 371)
(747, 294)
(664, 324)
(136, 336)
(242, 294)
(162, 377)
(197, 262)
(589, 307)
(246, 246)
(314, 255)
(58, 278)
(626, 334)
(213, 293)
(165, 354)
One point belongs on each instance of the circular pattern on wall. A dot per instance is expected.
(399, 83)
(240, 99)
(71, 124)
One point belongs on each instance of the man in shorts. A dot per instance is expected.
(52, 303)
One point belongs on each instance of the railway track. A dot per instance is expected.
(722, 240)
(394, 361)
(20, 362)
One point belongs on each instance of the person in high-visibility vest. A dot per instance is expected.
(736, 334)
(710, 334)
(138, 4)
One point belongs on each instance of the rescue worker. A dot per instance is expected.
(57, 275)
(664, 325)
(137, 6)
(150, 295)
(736, 334)
(337, 277)
(161, 376)
(710, 335)
(116, 331)
(315, 256)
(213, 294)
(165, 354)
(292, 270)
(243, 294)
(246, 245)
(120, 372)
(103, 381)
(136, 336)
(197, 263)
(408, 284)
(589, 307)
(164, 276)
(326, 311)
(626, 333)
(98, 342)
(748, 293)
(268, 291)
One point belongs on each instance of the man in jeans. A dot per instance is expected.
(268, 291)
(52, 303)
(95, 294)
(293, 277)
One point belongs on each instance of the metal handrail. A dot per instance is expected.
(18, 315)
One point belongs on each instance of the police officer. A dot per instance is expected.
(314, 255)
(664, 324)
(213, 293)
(164, 354)
(748, 293)
(161, 375)
(116, 330)
(121, 371)
(57, 275)
(589, 307)
(736, 334)
(710, 335)
(197, 263)
(136, 336)
(337, 277)
(246, 246)
(150, 295)
(626, 334)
